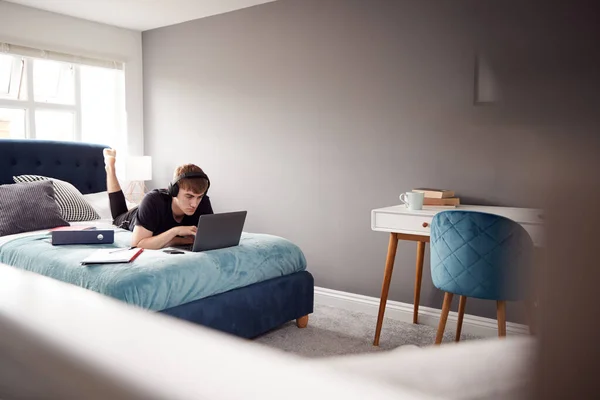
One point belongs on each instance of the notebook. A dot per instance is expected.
(112, 256)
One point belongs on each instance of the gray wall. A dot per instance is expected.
(310, 113)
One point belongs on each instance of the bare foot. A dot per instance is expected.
(109, 158)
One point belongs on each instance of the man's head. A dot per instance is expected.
(191, 190)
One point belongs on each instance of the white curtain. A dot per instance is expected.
(57, 56)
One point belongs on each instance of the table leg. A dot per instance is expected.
(387, 278)
(418, 279)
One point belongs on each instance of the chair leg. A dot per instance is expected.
(443, 317)
(501, 314)
(461, 313)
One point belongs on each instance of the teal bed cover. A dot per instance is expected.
(156, 280)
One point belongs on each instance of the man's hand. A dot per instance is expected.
(187, 239)
(186, 231)
(181, 241)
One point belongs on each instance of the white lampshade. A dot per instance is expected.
(138, 168)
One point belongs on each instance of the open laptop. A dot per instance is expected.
(217, 231)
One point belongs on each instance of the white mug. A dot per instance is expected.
(413, 200)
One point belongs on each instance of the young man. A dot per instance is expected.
(164, 217)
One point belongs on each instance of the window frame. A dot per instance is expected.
(31, 106)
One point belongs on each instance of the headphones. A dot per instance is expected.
(174, 187)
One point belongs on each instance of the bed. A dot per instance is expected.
(245, 291)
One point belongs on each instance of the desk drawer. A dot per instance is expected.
(402, 223)
(417, 224)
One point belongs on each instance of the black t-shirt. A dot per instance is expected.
(155, 213)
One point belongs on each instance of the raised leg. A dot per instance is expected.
(302, 322)
(444, 317)
(418, 279)
(461, 313)
(387, 278)
(501, 315)
(110, 158)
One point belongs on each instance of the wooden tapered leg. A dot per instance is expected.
(461, 313)
(501, 315)
(418, 279)
(443, 317)
(387, 278)
(302, 322)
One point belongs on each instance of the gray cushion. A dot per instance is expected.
(26, 207)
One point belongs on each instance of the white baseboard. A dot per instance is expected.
(396, 310)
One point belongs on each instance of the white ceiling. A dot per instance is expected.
(139, 15)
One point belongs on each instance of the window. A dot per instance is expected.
(12, 123)
(61, 100)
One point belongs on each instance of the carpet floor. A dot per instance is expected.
(333, 331)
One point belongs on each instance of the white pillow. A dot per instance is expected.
(100, 202)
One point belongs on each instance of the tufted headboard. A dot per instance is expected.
(81, 164)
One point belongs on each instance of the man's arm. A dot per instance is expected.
(143, 238)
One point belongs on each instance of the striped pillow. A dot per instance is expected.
(71, 202)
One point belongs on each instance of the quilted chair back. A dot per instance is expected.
(480, 255)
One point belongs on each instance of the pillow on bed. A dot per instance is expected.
(99, 201)
(28, 207)
(70, 200)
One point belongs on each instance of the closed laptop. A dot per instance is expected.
(92, 236)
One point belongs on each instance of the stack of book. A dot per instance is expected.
(439, 197)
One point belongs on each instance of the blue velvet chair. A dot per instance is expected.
(480, 255)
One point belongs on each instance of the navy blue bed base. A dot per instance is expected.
(247, 312)
(252, 310)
